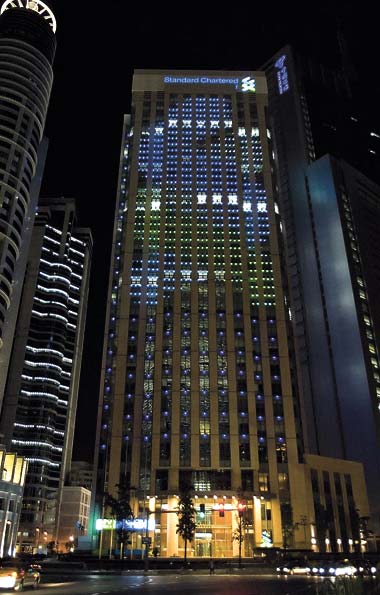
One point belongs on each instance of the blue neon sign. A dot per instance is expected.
(282, 75)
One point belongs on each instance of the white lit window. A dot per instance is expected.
(216, 199)
(201, 199)
(247, 206)
(232, 199)
(262, 207)
(156, 205)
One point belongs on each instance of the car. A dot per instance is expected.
(294, 567)
(364, 567)
(345, 568)
(320, 569)
(17, 576)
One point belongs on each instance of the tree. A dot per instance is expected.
(186, 514)
(240, 533)
(288, 526)
(359, 528)
(323, 521)
(52, 547)
(121, 511)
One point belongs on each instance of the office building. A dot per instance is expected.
(74, 517)
(40, 400)
(330, 213)
(27, 48)
(80, 474)
(198, 387)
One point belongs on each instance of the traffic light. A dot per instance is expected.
(202, 511)
(241, 508)
(221, 509)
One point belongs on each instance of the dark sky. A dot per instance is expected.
(99, 45)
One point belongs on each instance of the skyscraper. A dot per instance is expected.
(330, 211)
(27, 47)
(197, 386)
(40, 400)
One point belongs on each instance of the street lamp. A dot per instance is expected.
(37, 537)
(71, 540)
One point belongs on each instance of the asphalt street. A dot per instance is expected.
(176, 584)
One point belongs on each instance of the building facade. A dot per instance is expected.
(329, 211)
(197, 384)
(74, 517)
(336, 506)
(12, 479)
(27, 48)
(40, 400)
(81, 474)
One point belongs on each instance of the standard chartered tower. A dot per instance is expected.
(197, 379)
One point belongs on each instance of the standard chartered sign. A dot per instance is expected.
(246, 83)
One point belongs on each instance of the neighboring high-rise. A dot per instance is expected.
(198, 386)
(40, 399)
(331, 214)
(80, 474)
(27, 48)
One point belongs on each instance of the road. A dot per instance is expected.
(176, 584)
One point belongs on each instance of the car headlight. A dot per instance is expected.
(321, 570)
(278, 569)
(373, 569)
(314, 569)
(332, 570)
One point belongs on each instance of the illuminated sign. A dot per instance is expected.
(105, 524)
(248, 84)
(266, 538)
(127, 524)
(282, 75)
(244, 84)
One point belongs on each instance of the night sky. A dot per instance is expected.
(99, 45)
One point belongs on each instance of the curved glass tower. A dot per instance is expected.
(27, 48)
(40, 399)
